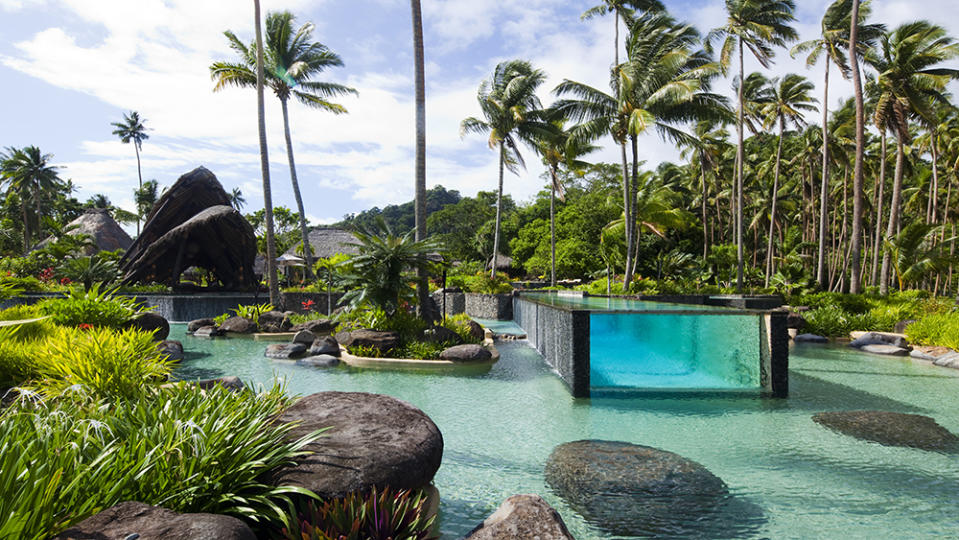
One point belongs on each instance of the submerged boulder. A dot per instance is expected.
(320, 360)
(890, 428)
(208, 331)
(373, 440)
(231, 382)
(810, 338)
(139, 520)
(522, 517)
(629, 489)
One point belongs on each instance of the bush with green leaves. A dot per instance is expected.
(94, 307)
(482, 283)
(379, 515)
(90, 270)
(253, 311)
(938, 329)
(828, 320)
(460, 323)
(63, 460)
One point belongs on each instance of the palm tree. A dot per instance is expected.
(265, 161)
(512, 113)
(558, 148)
(131, 129)
(790, 98)
(757, 25)
(419, 70)
(620, 10)
(29, 174)
(146, 197)
(237, 200)
(915, 253)
(833, 43)
(705, 150)
(910, 81)
(294, 59)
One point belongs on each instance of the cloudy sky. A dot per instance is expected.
(71, 67)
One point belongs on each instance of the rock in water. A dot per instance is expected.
(284, 351)
(238, 325)
(317, 326)
(305, 337)
(156, 523)
(325, 345)
(886, 350)
(194, 325)
(383, 341)
(466, 353)
(173, 349)
(373, 440)
(810, 338)
(208, 331)
(522, 517)
(890, 428)
(628, 489)
(320, 360)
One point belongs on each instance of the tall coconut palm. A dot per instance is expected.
(512, 113)
(419, 70)
(293, 59)
(757, 25)
(910, 80)
(704, 152)
(28, 173)
(265, 160)
(559, 148)
(791, 97)
(132, 129)
(833, 44)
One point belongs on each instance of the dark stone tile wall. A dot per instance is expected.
(455, 302)
(562, 337)
(489, 306)
(293, 301)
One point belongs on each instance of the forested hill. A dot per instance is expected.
(400, 217)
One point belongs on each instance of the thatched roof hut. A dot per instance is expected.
(99, 225)
(503, 262)
(329, 241)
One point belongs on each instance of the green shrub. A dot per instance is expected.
(409, 326)
(421, 350)
(366, 351)
(378, 515)
(300, 318)
(65, 459)
(939, 329)
(459, 323)
(850, 303)
(93, 307)
(100, 361)
(484, 284)
(220, 319)
(829, 320)
(28, 283)
(253, 311)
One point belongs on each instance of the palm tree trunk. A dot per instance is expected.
(304, 236)
(265, 162)
(824, 193)
(136, 148)
(739, 177)
(772, 206)
(422, 285)
(877, 248)
(552, 228)
(634, 182)
(893, 215)
(626, 216)
(702, 172)
(26, 224)
(934, 189)
(854, 281)
(499, 207)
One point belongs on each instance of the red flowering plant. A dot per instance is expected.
(46, 274)
(308, 305)
(84, 326)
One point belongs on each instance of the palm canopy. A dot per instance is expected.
(131, 129)
(291, 59)
(612, 6)
(790, 97)
(27, 171)
(757, 93)
(759, 25)
(834, 39)
(916, 253)
(558, 147)
(511, 110)
(910, 80)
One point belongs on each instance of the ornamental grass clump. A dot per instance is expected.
(67, 458)
(379, 515)
(93, 307)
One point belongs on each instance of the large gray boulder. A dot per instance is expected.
(317, 326)
(629, 489)
(208, 331)
(466, 353)
(879, 338)
(522, 517)
(442, 334)
(382, 341)
(151, 322)
(325, 345)
(173, 349)
(285, 351)
(230, 382)
(890, 428)
(373, 440)
(238, 325)
(305, 337)
(274, 321)
(196, 324)
(156, 523)
(476, 330)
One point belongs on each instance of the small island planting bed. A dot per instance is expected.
(416, 364)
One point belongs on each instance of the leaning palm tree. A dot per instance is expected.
(131, 129)
(265, 160)
(910, 81)
(833, 44)
(791, 97)
(28, 173)
(512, 113)
(419, 70)
(757, 25)
(559, 148)
(293, 59)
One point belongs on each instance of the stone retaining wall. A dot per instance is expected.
(562, 337)
(489, 306)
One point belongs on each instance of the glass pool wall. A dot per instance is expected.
(602, 344)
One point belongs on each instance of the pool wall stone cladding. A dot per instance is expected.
(489, 306)
(562, 336)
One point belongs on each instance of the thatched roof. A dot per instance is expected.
(503, 262)
(106, 233)
(329, 241)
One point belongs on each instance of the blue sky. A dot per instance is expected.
(71, 67)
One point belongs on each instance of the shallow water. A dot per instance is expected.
(789, 477)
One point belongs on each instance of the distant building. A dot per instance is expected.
(329, 241)
(105, 233)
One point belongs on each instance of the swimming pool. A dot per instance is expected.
(791, 477)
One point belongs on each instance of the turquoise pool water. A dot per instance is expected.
(790, 477)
